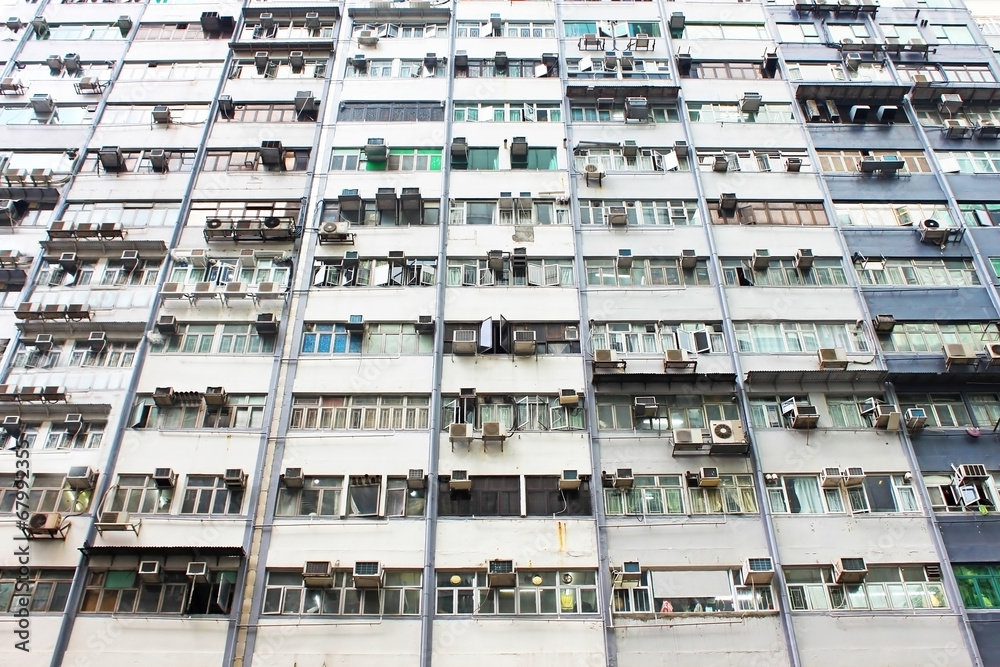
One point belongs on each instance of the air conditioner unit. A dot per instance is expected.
(501, 574)
(757, 571)
(676, 358)
(886, 113)
(460, 481)
(832, 358)
(916, 418)
(750, 103)
(464, 341)
(164, 478)
(569, 397)
(44, 523)
(592, 173)
(800, 415)
(114, 521)
(883, 323)
(73, 423)
(803, 258)
(813, 113)
(292, 478)
(645, 407)
(720, 164)
(950, 103)
(161, 114)
(761, 259)
(687, 436)
(492, 430)
(569, 481)
(11, 425)
(367, 574)
(216, 396)
(367, 38)
(266, 324)
(166, 325)
(150, 571)
(624, 259)
(415, 479)
(41, 342)
(606, 357)
(317, 573)
(81, 478)
(460, 433)
(931, 230)
(623, 478)
(960, 353)
(726, 431)
(850, 570)
(709, 477)
(235, 478)
(198, 570)
(993, 353)
(971, 472)
(524, 343)
(853, 476)
(831, 477)
(617, 216)
(163, 396)
(636, 108)
(630, 574)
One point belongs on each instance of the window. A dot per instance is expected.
(293, 28)
(140, 114)
(121, 592)
(367, 213)
(930, 337)
(332, 272)
(914, 162)
(650, 494)
(223, 270)
(798, 33)
(922, 272)
(618, 29)
(173, 32)
(973, 162)
(543, 497)
(725, 31)
(515, 413)
(947, 494)
(722, 112)
(479, 159)
(390, 112)
(682, 411)
(978, 583)
(646, 273)
(642, 213)
(784, 273)
(400, 159)
(953, 34)
(293, 159)
(891, 215)
(538, 158)
(613, 159)
(286, 594)
(517, 68)
(137, 162)
(242, 411)
(981, 215)
(943, 410)
(402, 30)
(400, 500)
(266, 113)
(47, 591)
(509, 29)
(139, 494)
(798, 337)
(541, 592)
(50, 493)
(62, 115)
(215, 339)
(765, 411)
(127, 214)
(770, 213)
(729, 70)
(88, 437)
(876, 494)
(166, 71)
(490, 496)
(652, 339)
(592, 113)
(537, 273)
(360, 412)
(734, 495)
(633, 598)
(81, 32)
(319, 495)
(884, 588)
(705, 592)
(501, 112)
(538, 212)
(278, 66)
(382, 338)
(210, 495)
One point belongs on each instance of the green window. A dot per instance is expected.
(979, 585)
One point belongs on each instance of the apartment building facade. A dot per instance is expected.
(585, 333)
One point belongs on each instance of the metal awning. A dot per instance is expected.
(653, 383)
(868, 91)
(42, 411)
(984, 93)
(389, 11)
(97, 249)
(793, 381)
(89, 550)
(129, 331)
(622, 89)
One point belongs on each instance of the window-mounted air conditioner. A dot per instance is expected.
(800, 415)
(150, 571)
(853, 476)
(464, 341)
(292, 478)
(501, 574)
(831, 477)
(198, 570)
(460, 481)
(624, 479)
(971, 472)
(164, 478)
(645, 407)
(81, 478)
(569, 397)
(11, 425)
(266, 324)
(415, 479)
(569, 481)
(367, 574)
(757, 571)
(629, 575)
(832, 358)
(73, 423)
(916, 418)
(235, 478)
(884, 323)
(709, 477)
(524, 343)
(850, 570)
(317, 573)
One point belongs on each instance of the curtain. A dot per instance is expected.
(803, 495)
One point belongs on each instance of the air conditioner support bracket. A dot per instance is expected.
(132, 526)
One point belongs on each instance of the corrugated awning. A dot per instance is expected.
(640, 383)
(867, 91)
(98, 248)
(41, 411)
(130, 331)
(89, 550)
(795, 380)
(622, 90)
